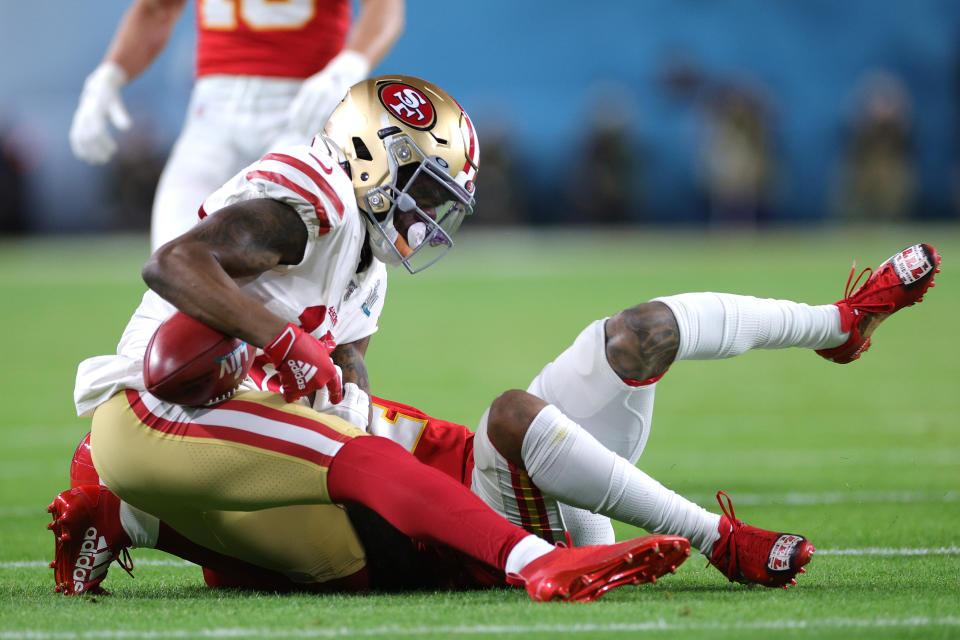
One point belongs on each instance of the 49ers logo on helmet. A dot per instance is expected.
(409, 105)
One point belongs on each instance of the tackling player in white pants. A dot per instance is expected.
(583, 446)
(268, 73)
(532, 463)
(580, 428)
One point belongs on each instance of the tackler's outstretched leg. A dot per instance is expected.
(606, 379)
(523, 442)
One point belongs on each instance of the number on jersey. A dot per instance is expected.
(259, 15)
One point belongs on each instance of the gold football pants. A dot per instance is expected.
(207, 472)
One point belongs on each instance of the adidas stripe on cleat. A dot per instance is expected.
(583, 574)
(901, 281)
(88, 536)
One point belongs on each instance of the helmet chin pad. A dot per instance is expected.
(405, 202)
(382, 239)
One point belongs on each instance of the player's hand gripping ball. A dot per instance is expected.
(190, 364)
(304, 364)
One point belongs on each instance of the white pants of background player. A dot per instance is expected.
(582, 448)
(231, 121)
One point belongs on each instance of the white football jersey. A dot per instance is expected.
(323, 294)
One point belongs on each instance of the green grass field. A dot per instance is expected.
(863, 459)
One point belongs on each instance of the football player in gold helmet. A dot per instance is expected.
(277, 261)
(412, 154)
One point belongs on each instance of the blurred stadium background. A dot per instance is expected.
(813, 119)
(689, 112)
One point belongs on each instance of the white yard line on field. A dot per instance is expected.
(491, 630)
(30, 564)
(746, 499)
(890, 551)
(831, 497)
(866, 551)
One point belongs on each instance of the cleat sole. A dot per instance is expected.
(636, 566)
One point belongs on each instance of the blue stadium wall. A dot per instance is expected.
(532, 65)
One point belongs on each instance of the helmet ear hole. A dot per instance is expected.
(360, 149)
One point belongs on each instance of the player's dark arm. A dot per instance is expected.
(195, 272)
(350, 358)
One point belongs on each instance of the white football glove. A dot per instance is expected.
(354, 408)
(322, 92)
(90, 138)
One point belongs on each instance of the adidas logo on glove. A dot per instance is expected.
(302, 371)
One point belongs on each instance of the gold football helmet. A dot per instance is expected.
(413, 156)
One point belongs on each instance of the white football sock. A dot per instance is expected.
(586, 527)
(568, 464)
(143, 528)
(525, 552)
(723, 325)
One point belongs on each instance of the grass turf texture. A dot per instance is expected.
(855, 457)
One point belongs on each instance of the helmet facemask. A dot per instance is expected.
(413, 216)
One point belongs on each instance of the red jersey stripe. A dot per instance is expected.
(313, 174)
(218, 432)
(312, 198)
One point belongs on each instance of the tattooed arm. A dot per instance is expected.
(195, 272)
(349, 357)
(642, 341)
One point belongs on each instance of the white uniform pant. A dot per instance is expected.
(581, 383)
(231, 121)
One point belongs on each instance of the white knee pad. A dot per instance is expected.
(581, 383)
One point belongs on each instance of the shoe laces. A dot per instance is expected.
(125, 561)
(853, 287)
(733, 566)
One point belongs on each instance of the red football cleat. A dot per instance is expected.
(756, 556)
(82, 470)
(583, 574)
(899, 282)
(88, 537)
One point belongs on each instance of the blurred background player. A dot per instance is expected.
(266, 70)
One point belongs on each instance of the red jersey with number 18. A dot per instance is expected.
(276, 38)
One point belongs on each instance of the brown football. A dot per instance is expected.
(191, 364)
